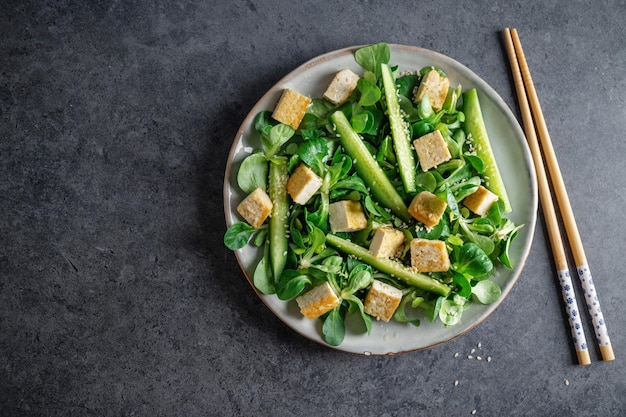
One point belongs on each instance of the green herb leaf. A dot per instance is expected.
(253, 173)
(432, 308)
(355, 303)
(314, 153)
(486, 292)
(370, 93)
(426, 180)
(452, 205)
(352, 183)
(450, 312)
(370, 57)
(274, 138)
(504, 256)
(238, 235)
(260, 238)
(263, 120)
(424, 108)
(359, 122)
(406, 84)
(475, 161)
(291, 284)
(263, 279)
(334, 328)
(410, 300)
(360, 277)
(471, 260)
(465, 288)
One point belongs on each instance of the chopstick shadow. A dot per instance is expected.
(515, 108)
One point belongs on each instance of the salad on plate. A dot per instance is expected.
(380, 200)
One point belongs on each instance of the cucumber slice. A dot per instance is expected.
(279, 174)
(389, 266)
(475, 126)
(368, 169)
(399, 132)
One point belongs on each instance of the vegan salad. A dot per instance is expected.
(380, 199)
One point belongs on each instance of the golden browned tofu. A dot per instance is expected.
(435, 87)
(387, 242)
(256, 207)
(341, 87)
(431, 150)
(382, 300)
(427, 208)
(291, 108)
(480, 201)
(346, 216)
(317, 301)
(429, 255)
(303, 183)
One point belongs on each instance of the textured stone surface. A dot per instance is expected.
(117, 297)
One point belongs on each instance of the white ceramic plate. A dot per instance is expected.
(512, 155)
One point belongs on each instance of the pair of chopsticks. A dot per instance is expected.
(534, 122)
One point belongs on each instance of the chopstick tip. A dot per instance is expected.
(607, 353)
(583, 358)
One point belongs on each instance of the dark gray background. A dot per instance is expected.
(117, 297)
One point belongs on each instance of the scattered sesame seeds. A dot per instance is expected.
(472, 354)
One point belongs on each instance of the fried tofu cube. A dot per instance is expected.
(341, 87)
(431, 150)
(317, 301)
(429, 255)
(291, 108)
(382, 300)
(256, 207)
(435, 86)
(303, 183)
(346, 216)
(387, 242)
(480, 201)
(427, 208)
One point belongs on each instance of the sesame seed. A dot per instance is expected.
(456, 355)
(473, 412)
(479, 345)
(488, 358)
(470, 357)
(473, 350)
(566, 381)
(479, 358)
(456, 383)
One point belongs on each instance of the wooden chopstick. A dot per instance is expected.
(552, 225)
(526, 93)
